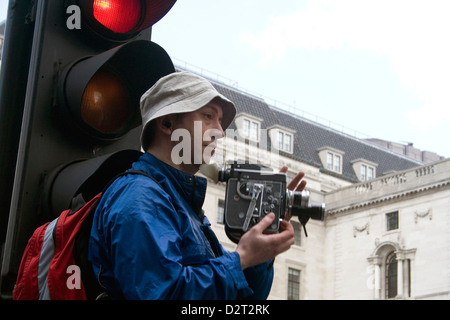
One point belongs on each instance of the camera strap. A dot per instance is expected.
(303, 220)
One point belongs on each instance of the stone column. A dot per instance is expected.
(400, 259)
(376, 263)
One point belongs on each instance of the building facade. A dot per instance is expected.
(386, 231)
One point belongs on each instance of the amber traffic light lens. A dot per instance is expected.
(118, 15)
(106, 105)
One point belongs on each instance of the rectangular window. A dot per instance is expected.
(367, 173)
(284, 141)
(220, 211)
(329, 161)
(363, 172)
(287, 142)
(334, 162)
(250, 129)
(246, 128)
(392, 221)
(370, 173)
(254, 131)
(293, 284)
(337, 163)
(280, 140)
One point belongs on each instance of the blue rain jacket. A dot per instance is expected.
(151, 241)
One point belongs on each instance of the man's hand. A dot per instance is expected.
(255, 247)
(296, 184)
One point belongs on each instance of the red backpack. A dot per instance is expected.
(49, 268)
(54, 264)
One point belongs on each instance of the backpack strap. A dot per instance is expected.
(78, 201)
(130, 172)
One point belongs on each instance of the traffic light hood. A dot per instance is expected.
(76, 182)
(120, 20)
(180, 92)
(100, 94)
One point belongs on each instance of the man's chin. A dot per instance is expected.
(208, 153)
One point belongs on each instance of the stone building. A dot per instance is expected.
(386, 229)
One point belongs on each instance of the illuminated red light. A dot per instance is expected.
(120, 16)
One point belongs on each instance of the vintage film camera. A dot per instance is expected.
(252, 191)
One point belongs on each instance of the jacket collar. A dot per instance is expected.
(175, 182)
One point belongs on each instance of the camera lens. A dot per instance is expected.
(297, 204)
(316, 210)
(300, 199)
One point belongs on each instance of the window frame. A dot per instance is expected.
(392, 221)
(281, 139)
(365, 170)
(293, 283)
(334, 161)
(391, 276)
(251, 129)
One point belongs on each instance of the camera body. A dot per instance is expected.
(253, 191)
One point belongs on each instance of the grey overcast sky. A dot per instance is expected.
(379, 68)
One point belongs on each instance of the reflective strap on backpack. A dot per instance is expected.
(46, 256)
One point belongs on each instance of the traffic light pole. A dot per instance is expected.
(49, 69)
(37, 146)
(13, 84)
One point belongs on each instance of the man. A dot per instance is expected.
(150, 239)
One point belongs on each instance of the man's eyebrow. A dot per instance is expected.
(214, 109)
(209, 106)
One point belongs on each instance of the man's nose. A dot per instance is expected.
(215, 133)
(220, 133)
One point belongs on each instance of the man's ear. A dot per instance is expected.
(165, 124)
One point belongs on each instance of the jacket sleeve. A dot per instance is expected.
(144, 236)
(259, 279)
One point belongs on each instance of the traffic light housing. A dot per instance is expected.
(118, 20)
(98, 97)
(91, 60)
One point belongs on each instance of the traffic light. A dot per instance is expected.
(98, 97)
(91, 60)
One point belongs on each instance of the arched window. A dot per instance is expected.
(392, 271)
(391, 275)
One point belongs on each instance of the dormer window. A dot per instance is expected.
(367, 172)
(282, 138)
(364, 169)
(334, 161)
(331, 158)
(249, 127)
(284, 141)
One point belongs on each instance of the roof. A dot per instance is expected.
(309, 137)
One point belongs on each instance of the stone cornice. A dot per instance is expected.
(388, 188)
(388, 198)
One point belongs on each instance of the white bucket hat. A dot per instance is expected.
(180, 92)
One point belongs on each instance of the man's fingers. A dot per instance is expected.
(294, 182)
(265, 222)
(285, 238)
(301, 186)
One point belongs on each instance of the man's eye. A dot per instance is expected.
(208, 116)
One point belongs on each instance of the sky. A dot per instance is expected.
(370, 68)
